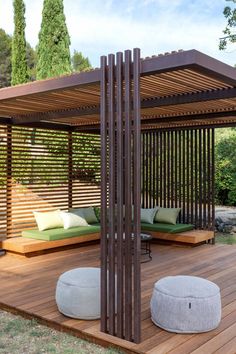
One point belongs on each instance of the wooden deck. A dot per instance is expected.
(28, 287)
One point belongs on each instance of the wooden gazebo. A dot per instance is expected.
(155, 121)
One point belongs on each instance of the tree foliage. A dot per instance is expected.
(5, 59)
(79, 62)
(20, 72)
(31, 62)
(53, 51)
(229, 31)
(225, 178)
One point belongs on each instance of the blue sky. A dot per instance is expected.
(100, 27)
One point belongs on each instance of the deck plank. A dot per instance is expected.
(28, 288)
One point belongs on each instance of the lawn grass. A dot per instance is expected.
(21, 336)
(228, 239)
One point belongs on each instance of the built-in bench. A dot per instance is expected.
(167, 228)
(183, 233)
(35, 240)
(24, 246)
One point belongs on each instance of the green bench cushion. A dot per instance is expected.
(60, 233)
(169, 228)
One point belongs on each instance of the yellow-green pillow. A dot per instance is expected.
(167, 215)
(148, 215)
(97, 211)
(87, 213)
(48, 220)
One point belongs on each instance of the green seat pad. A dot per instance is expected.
(169, 228)
(60, 233)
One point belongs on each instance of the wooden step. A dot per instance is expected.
(25, 245)
(192, 236)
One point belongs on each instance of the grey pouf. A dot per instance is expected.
(78, 293)
(186, 304)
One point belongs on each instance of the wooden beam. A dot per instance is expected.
(49, 126)
(42, 125)
(189, 98)
(178, 118)
(54, 84)
(154, 121)
(190, 127)
(67, 113)
(146, 103)
(189, 59)
(4, 120)
(170, 62)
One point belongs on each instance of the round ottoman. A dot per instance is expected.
(186, 304)
(78, 293)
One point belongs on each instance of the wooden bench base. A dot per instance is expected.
(23, 245)
(191, 237)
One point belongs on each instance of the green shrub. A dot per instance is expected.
(225, 178)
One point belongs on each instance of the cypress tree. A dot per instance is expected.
(53, 51)
(19, 61)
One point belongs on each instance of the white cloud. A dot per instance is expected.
(99, 27)
(99, 33)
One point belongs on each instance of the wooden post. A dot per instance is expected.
(213, 180)
(121, 195)
(104, 181)
(9, 181)
(70, 170)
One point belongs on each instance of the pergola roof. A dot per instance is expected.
(182, 88)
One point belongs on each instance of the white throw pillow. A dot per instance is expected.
(48, 220)
(72, 220)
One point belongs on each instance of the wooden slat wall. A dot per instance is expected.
(46, 170)
(3, 179)
(86, 175)
(178, 171)
(121, 197)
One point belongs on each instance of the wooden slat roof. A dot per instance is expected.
(175, 88)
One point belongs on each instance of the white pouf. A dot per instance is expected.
(186, 304)
(78, 293)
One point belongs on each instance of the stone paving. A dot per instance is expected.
(225, 218)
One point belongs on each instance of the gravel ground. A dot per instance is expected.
(21, 336)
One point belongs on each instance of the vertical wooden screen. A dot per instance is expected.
(45, 170)
(120, 195)
(178, 171)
